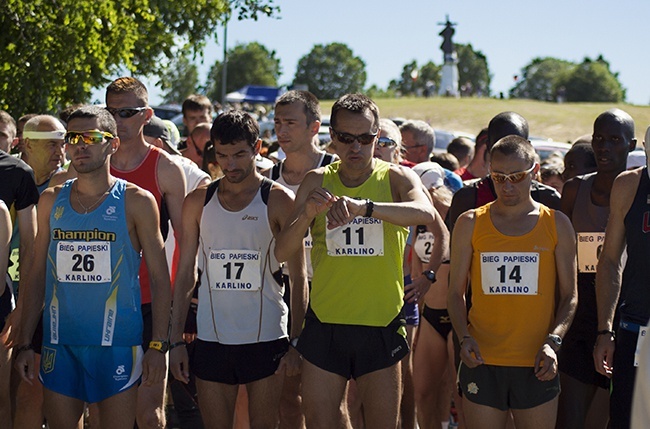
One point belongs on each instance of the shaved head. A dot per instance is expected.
(506, 124)
(617, 116)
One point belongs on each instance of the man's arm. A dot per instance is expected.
(172, 184)
(567, 289)
(280, 208)
(143, 213)
(464, 199)
(461, 262)
(33, 288)
(569, 194)
(411, 206)
(185, 280)
(440, 251)
(311, 200)
(26, 219)
(609, 269)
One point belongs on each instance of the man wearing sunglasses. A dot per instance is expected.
(92, 231)
(586, 200)
(520, 257)
(196, 142)
(358, 209)
(154, 170)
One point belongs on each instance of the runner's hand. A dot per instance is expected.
(415, 291)
(470, 353)
(24, 364)
(604, 355)
(318, 201)
(546, 363)
(291, 363)
(154, 367)
(343, 210)
(179, 363)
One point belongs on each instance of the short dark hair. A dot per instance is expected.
(234, 126)
(446, 160)
(461, 147)
(126, 85)
(356, 103)
(506, 124)
(105, 119)
(310, 104)
(196, 102)
(515, 145)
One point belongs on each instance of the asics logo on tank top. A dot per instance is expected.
(248, 217)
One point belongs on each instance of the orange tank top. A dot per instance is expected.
(513, 289)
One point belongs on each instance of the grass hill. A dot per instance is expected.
(560, 122)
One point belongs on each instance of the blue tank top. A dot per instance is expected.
(635, 286)
(92, 291)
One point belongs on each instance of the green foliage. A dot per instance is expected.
(592, 81)
(417, 81)
(180, 79)
(375, 92)
(248, 64)
(473, 72)
(539, 79)
(52, 53)
(330, 71)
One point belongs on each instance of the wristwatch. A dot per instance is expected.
(556, 341)
(160, 345)
(430, 275)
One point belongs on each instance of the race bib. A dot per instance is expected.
(83, 261)
(590, 244)
(643, 332)
(235, 270)
(509, 273)
(423, 246)
(363, 236)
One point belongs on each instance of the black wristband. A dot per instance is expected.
(177, 344)
(463, 340)
(370, 207)
(605, 332)
(23, 349)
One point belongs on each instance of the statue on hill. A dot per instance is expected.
(449, 74)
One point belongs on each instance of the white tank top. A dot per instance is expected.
(240, 302)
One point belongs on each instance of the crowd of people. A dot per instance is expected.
(372, 283)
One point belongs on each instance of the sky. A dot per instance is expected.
(386, 35)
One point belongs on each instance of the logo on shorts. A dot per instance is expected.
(48, 356)
(472, 388)
(120, 374)
(395, 351)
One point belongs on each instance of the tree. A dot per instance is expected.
(329, 71)
(539, 79)
(417, 81)
(592, 81)
(473, 72)
(180, 79)
(248, 64)
(52, 53)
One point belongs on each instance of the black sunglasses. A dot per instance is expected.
(125, 112)
(347, 138)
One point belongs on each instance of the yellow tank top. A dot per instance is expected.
(513, 289)
(358, 277)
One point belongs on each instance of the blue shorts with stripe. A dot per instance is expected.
(90, 373)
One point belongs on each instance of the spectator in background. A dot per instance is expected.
(18, 147)
(446, 160)
(579, 160)
(196, 142)
(7, 131)
(197, 109)
(463, 149)
(389, 144)
(478, 166)
(550, 174)
(418, 140)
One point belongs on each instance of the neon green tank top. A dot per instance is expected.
(358, 278)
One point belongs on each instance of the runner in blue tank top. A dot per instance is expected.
(85, 271)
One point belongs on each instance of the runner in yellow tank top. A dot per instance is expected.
(358, 209)
(522, 262)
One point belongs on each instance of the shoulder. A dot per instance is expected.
(466, 219)
(400, 172)
(136, 194)
(625, 186)
(281, 192)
